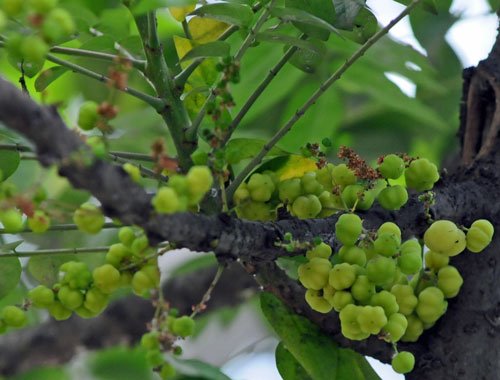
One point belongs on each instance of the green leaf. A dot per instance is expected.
(365, 25)
(291, 265)
(211, 49)
(198, 263)
(197, 369)
(9, 162)
(44, 373)
(288, 367)
(428, 5)
(298, 15)
(45, 269)
(145, 6)
(353, 366)
(10, 247)
(313, 45)
(243, 148)
(120, 363)
(236, 14)
(115, 22)
(46, 77)
(11, 269)
(346, 11)
(321, 9)
(315, 352)
(494, 4)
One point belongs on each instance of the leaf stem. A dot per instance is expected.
(314, 97)
(206, 297)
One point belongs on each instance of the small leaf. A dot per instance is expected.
(314, 45)
(210, 49)
(206, 30)
(9, 162)
(297, 15)
(243, 148)
(235, 14)
(321, 9)
(145, 6)
(197, 369)
(288, 367)
(46, 77)
(289, 166)
(120, 363)
(45, 269)
(365, 26)
(346, 11)
(10, 268)
(180, 13)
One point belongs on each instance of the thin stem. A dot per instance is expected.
(187, 32)
(206, 297)
(154, 102)
(312, 100)
(137, 63)
(61, 227)
(144, 171)
(249, 40)
(61, 251)
(258, 91)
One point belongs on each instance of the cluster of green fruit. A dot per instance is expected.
(378, 284)
(183, 192)
(50, 25)
(156, 342)
(322, 192)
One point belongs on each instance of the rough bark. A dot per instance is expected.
(461, 345)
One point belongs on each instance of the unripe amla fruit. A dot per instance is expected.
(387, 244)
(42, 6)
(13, 316)
(12, 220)
(316, 301)
(449, 281)
(431, 304)
(359, 196)
(393, 197)
(289, 190)
(34, 49)
(444, 237)
(342, 276)
(343, 176)
(392, 166)
(183, 326)
(12, 7)
(88, 116)
(106, 278)
(349, 323)
(314, 274)
(479, 235)
(403, 362)
(89, 218)
(41, 296)
(166, 201)
(199, 180)
(405, 298)
(58, 25)
(39, 222)
(421, 175)
(371, 319)
(348, 228)
(395, 327)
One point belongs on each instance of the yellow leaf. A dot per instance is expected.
(180, 13)
(206, 30)
(295, 167)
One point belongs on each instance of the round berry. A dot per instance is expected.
(39, 222)
(356, 195)
(403, 362)
(13, 316)
(479, 235)
(199, 180)
(436, 261)
(421, 175)
(126, 236)
(289, 190)
(34, 49)
(414, 330)
(342, 276)
(12, 220)
(431, 304)
(321, 250)
(443, 236)
(70, 298)
(381, 270)
(371, 319)
(59, 311)
(58, 25)
(106, 278)
(89, 218)
(393, 197)
(306, 207)
(183, 326)
(348, 228)
(392, 166)
(41, 296)
(314, 274)
(449, 281)
(343, 176)
(387, 244)
(317, 302)
(166, 201)
(395, 327)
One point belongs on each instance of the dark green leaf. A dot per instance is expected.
(145, 6)
(321, 9)
(298, 15)
(307, 60)
(115, 22)
(44, 373)
(45, 269)
(346, 11)
(120, 363)
(210, 49)
(243, 148)
(101, 43)
(364, 26)
(315, 352)
(197, 369)
(313, 45)
(10, 268)
(46, 77)
(236, 14)
(9, 162)
(494, 4)
(288, 367)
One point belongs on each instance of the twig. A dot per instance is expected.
(312, 100)
(206, 297)
(60, 251)
(61, 227)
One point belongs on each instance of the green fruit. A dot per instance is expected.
(316, 301)
(342, 276)
(289, 190)
(306, 207)
(150, 340)
(352, 255)
(167, 371)
(371, 319)
(116, 253)
(431, 304)
(85, 313)
(199, 157)
(42, 6)
(70, 298)
(166, 201)
(126, 236)
(348, 228)
(436, 261)
(389, 227)
(241, 194)
(324, 177)
(39, 222)
(349, 323)
(330, 203)
(443, 236)
(449, 281)
(395, 328)
(95, 300)
(341, 299)
(393, 197)
(327, 293)
(261, 187)
(405, 298)
(154, 358)
(414, 330)
(106, 278)
(386, 301)
(392, 167)
(41, 296)
(387, 244)
(199, 180)
(255, 211)
(357, 195)
(314, 274)
(139, 245)
(410, 262)
(133, 171)
(403, 362)
(75, 274)
(58, 25)
(34, 49)
(58, 311)
(142, 284)
(12, 220)
(343, 176)
(89, 218)
(13, 316)
(310, 185)
(421, 175)
(381, 270)
(479, 235)
(321, 250)
(362, 290)
(98, 146)
(183, 326)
